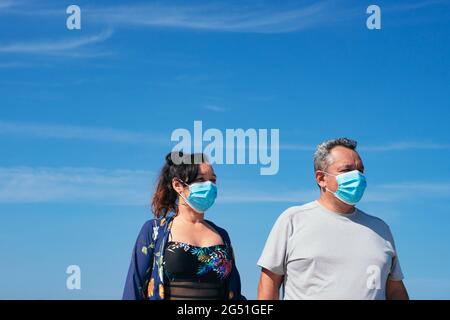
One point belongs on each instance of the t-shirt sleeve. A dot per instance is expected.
(274, 255)
(396, 273)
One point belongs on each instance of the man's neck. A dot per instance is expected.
(335, 205)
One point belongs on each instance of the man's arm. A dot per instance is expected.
(395, 290)
(269, 285)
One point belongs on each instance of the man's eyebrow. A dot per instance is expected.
(345, 166)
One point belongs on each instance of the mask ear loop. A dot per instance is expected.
(181, 194)
(182, 182)
(185, 200)
(330, 174)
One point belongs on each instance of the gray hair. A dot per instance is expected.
(322, 154)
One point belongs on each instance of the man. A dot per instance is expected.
(329, 249)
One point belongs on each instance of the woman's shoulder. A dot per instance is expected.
(158, 221)
(220, 230)
(154, 224)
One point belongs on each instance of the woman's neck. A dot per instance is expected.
(187, 214)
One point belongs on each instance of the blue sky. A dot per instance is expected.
(86, 117)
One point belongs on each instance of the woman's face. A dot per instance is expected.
(205, 173)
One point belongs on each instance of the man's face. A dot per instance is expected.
(341, 160)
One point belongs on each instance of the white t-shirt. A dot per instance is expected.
(327, 255)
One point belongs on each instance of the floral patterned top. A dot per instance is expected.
(196, 273)
(188, 262)
(145, 278)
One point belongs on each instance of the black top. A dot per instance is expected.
(193, 272)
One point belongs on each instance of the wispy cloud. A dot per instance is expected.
(412, 188)
(258, 17)
(75, 185)
(407, 191)
(406, 6)
(100, 186)
(78, 132)
(394, 146)
(109, 187)
(261, 17)
(400, 146)
(15, 64)
(297, 147)
(63, 47)
(100, 134)
(6, 4)
(134, 187)
(382, 193)
(215, 108)
(215, 16)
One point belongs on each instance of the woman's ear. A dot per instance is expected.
(177, 185)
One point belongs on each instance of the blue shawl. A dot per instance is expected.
(145, 278)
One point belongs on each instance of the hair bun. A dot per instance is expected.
(169, 156)
(169, 159)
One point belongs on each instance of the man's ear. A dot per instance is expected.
(320, 179)
(177, 185)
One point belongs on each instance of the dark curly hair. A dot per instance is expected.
(178, 165)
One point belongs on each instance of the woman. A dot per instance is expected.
(179, 254)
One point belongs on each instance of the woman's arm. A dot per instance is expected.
(141, 264)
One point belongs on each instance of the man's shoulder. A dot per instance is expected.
(299, 211)
(374, 220)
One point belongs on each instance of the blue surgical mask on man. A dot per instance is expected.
(351, 186)
(201, 195)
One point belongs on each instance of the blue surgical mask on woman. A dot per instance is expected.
(351, 186)
(201, 195)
